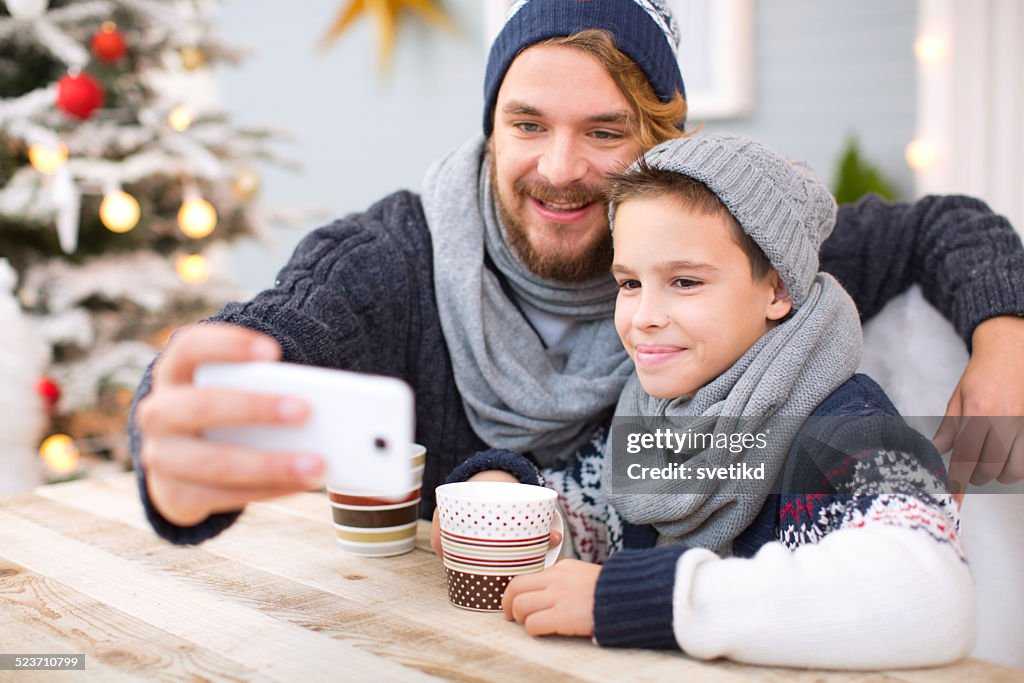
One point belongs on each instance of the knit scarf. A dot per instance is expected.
(517, 394)
(786, 373)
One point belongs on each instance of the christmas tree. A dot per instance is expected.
(116, 190)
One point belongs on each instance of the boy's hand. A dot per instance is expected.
(556, 601)
(488, 475)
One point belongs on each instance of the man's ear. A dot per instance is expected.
(782, 301)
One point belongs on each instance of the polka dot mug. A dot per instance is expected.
(492, 532)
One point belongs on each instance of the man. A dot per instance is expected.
(490, 294)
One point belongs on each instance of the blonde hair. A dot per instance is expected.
(656, 121)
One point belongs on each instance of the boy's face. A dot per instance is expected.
(560, 125)
(688, 306)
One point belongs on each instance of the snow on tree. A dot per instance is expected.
(120, 184)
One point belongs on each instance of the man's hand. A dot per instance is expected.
(556, 601)
(190, 478)
(992, 385)
(487, 475)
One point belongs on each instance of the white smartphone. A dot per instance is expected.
(361, 424)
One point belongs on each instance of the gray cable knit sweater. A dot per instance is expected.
(359, 294)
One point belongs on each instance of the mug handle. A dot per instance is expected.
(557, 524)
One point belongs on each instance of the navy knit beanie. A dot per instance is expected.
(643, 30)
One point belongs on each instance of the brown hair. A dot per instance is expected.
(657, 121)
(643, 181)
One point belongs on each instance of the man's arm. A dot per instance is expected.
(357, 294)
(970, 265)
(968, 260)
(308, 321)
(191, 480)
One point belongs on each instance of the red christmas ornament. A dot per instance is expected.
(79, 95)
(50, 392)
(108, 44)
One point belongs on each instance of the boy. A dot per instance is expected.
(723, 310)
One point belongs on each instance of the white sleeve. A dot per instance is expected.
(875, 597)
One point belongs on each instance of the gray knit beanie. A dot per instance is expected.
(780, 204)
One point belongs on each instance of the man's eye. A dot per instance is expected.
(629, 284)
(686, 283)
(606, 135)
(528, 126)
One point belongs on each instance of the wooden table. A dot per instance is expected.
(274, 599)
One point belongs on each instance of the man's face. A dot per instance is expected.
(560, 126)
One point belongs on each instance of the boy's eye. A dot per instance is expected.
(606, 135)
(686, 283)
(629, 284)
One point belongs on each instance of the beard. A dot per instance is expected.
(569, 264)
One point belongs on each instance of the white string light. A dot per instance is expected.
(180, 118)
(921, 154)
(193, 268)
(197, 218)
(47, 158)
(119, 211)
(931, 49)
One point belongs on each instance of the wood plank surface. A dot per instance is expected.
(275, 599)
(44, 616)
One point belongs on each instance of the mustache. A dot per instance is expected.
(577, 193)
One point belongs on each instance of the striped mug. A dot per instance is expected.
(371, 525)
(492, 532)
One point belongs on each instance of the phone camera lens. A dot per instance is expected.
(380, 443)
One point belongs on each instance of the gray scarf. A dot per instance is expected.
(788, 372)
(517, 394)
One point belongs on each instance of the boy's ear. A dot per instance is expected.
(782, 301)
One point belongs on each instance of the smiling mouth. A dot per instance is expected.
(652, 356)
(563, 213)
(562, 206)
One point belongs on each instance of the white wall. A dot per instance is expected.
(971, 102)
(826, 69)
(362, 136)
